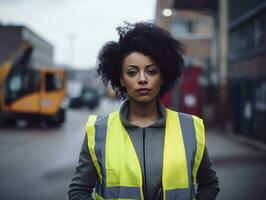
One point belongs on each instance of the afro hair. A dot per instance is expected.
(148, 39)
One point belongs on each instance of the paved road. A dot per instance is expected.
(240, 165)
(39, 163)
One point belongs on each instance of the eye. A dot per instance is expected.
(152, 71)
(131, 72)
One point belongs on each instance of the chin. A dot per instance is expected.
(144, 99)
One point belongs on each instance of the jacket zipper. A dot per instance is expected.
(144, 166)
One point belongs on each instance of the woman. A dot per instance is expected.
(143, 151)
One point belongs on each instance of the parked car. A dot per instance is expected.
(90, 97)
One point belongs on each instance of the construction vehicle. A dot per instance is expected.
(31, 93)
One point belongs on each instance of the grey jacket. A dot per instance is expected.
(149, 145)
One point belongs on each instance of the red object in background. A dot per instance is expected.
(190, 91)
(166, 100)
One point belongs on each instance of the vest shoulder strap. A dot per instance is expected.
(90, 131)
(200, 138)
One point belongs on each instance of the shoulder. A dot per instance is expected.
(100, 120)
(95, 120)
(94, 124)
(188, 117)
(195, 118)
(185, 115)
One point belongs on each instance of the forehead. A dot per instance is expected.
(137, 59)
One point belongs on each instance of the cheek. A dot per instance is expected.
(125, 81)
(128, 83)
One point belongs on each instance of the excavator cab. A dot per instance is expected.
(31, 93)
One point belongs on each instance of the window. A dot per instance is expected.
(53, 82)
(248, 37)
(188, 28)
(21, 83)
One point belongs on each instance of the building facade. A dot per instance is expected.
(11, 38)
(246, 67)
(238, 55)
(195, 30)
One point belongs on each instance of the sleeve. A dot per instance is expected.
(85, 177)
(208, 186)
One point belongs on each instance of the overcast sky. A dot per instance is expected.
(76, 28)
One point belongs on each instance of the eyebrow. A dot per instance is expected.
(135, 66)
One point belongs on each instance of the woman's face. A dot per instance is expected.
(141, 77)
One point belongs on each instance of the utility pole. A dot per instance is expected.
(223, 62)
(71, 39)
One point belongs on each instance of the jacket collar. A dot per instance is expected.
(160, 122)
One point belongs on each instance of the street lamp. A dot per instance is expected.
(167, 12)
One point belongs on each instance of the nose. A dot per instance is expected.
(142, 78)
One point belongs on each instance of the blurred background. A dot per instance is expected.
(49, 86)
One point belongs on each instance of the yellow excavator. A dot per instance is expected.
(31, 93)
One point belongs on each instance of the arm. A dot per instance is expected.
(207, 180)
(83, 182)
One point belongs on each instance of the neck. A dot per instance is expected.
(143, 114)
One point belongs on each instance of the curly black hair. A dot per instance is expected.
(148, 39)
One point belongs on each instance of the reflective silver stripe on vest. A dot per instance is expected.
(183, 194)
(190, 141)
(100, 142)
(189, 137)
(118, 192)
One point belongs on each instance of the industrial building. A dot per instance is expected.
(237, 58)
(246, 67)
(11, 38)
(195, 30)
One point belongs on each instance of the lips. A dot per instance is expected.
(143, 91)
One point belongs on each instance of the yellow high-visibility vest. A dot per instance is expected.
(117, 164)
